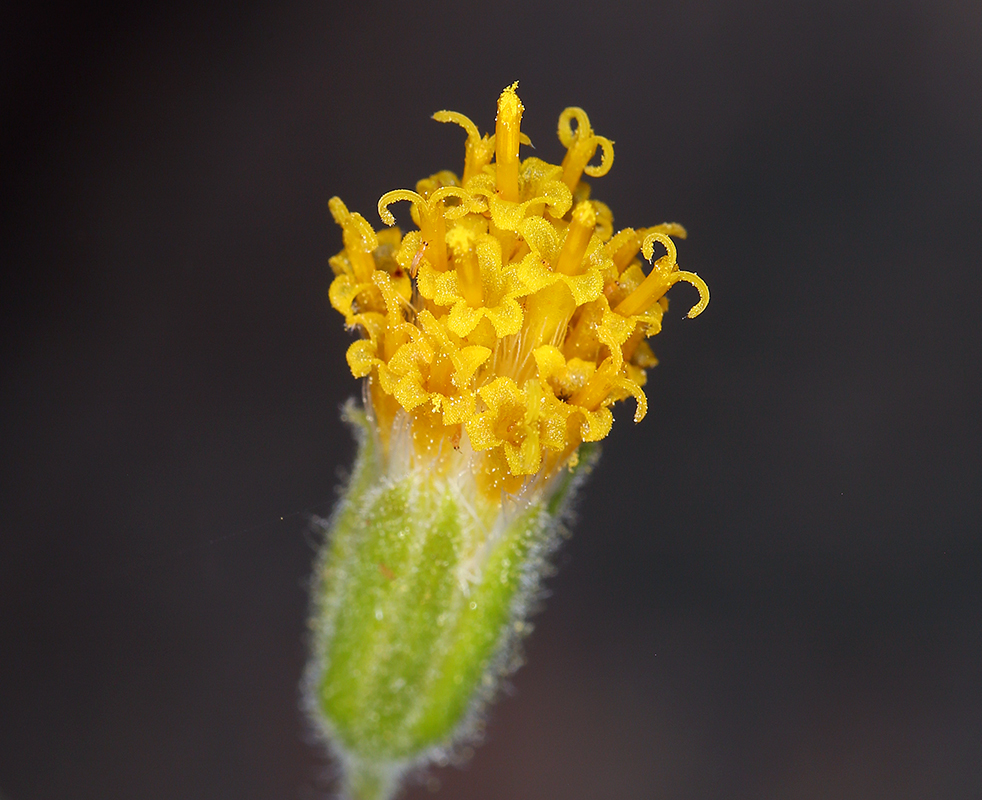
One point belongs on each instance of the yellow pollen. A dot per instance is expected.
(503, 329)
(507, 135)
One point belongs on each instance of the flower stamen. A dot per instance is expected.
(468, 274)
(570, 261)
(507, 132)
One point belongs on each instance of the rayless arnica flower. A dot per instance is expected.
(493, 341)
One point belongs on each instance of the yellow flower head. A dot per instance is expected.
(499, 333)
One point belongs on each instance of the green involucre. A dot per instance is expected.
(418, 601)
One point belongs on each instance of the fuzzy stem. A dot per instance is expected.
(366, 781)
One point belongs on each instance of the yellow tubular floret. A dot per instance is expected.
(359, 238)
(664, 274)
(468, 273)
(507, 133)
(582, 143)
(430, 217)
(503, 329)
(577, 238)
(477, 149)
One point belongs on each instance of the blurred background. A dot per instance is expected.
(773, 589)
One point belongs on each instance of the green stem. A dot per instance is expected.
(365, 781)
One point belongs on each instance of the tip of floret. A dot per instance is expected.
(509, 102)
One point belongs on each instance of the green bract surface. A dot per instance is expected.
(419, 597)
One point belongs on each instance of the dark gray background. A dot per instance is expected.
(773, 589)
